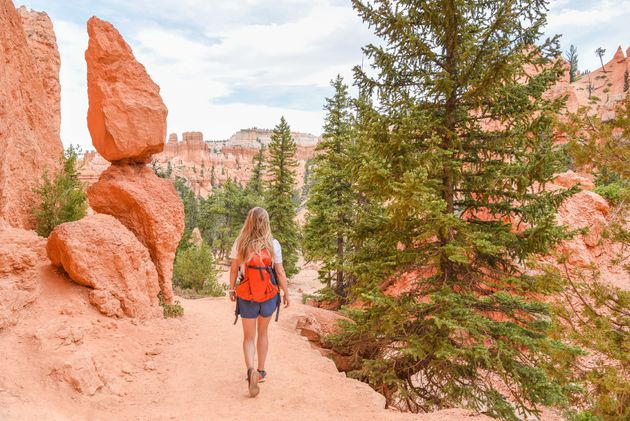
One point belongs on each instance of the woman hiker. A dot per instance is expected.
(257, 260)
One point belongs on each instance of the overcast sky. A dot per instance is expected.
(226, 65)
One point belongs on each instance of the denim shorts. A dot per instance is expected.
(252, 309)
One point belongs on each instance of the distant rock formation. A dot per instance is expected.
(29, 110)
(203, 163)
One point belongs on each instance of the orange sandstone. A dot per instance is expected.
(100, 253)
(147, 205)
(126, 115)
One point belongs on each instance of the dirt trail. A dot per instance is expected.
(178, 369)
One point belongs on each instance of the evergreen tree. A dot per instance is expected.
(62, 198)
(599, 52)
(331, 196)
(453, 151)
(255, 183)
(279, 200)
(572, 58)
(223, 213)
(191, 209)
(626, 81)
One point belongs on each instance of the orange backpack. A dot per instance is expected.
(259, 282)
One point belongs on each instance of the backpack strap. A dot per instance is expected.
(236, 312)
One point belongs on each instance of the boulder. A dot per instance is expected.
(149, 206)
(99, 252)
(20, 253)
(29, 113)
(126, 115)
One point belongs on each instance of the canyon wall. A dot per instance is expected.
(206, 162)
(29, 109)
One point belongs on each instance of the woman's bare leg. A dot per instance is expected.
(262, 343)
(249, 337)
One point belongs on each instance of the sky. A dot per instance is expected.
(227, 65)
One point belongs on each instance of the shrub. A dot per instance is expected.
(195, 269)
(612, 192)
(171, 310)
(62, 198)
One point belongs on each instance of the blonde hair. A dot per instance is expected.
(255, 235)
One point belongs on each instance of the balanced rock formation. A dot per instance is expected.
(20, 253)
(126, 116)
(29, 110)
(149, 206)
(100, 253)
(127, 122)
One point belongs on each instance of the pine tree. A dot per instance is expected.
(331, 196)
(599, 52)
(572, 58)
(255, 183)
(279, 200)
(626, 81)
(62, 198)
(454, 151)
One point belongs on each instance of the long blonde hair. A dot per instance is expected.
(255, 235)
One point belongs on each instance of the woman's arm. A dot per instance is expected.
(233, 272)
(282, 281)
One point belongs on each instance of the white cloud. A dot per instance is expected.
(218, 63)
(226, 65)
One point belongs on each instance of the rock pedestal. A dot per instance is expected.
(149, 206)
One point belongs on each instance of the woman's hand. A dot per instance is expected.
(232, 295)
(286, 300)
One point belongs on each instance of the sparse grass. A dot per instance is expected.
(171, 310)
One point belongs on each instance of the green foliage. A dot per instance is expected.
(62, 198)
(191, 210)
(452, 137)
(331, 195)
(223, 213)
(572, 58)
(170, 310)
(626, 81)
(595, 314)
(255, 183)
(612, 192)
(279, 194)
(195, 269)
(157, 169)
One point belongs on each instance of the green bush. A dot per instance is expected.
(195, 269)
(62, 198)
(171, 310)
(612, 192)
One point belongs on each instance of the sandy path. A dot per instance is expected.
(178, 369)
(190, 368)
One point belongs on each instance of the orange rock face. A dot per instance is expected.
(126, 116)
(43, 44)
(588, 210)
(20, 252)
(99, 252)
(147, 205)
(29, 111)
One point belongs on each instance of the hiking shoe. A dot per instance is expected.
(262, 375)
(253, 377)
